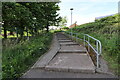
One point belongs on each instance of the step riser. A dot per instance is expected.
(72, 51)
(70, 70)
(74, 61)
(65, 41)
(68, 44)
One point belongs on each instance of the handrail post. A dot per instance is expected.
(84, 40)
(88, 44)
(97, 46)
(97, 61)
(100, 48)
(97, 54)
(72, 35)
(76, 37)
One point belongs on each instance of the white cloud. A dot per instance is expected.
(80, 19)
(86, 12)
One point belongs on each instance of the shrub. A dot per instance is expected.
(18, 58)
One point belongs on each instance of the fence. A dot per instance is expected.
(86, 39)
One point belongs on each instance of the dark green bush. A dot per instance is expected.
(65, 28)
(18, 58)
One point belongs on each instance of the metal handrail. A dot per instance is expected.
(97, 50)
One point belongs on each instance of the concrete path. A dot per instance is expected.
(71, 62)
(71, 57)
(45, 59)
(41, 73)
(65, 59)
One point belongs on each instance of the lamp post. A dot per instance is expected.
(71, 19)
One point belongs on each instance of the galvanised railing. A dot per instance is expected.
(97, 49)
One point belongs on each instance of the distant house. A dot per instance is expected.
(73, 25)
(103, 16)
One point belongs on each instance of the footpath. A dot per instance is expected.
(65, 59)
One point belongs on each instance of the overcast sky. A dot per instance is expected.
(86, 10)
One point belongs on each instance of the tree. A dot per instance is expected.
(50, 14)
(7, 16)
(29, 17)
(63, 21)
(16, 17)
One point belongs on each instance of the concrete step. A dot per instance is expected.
(71, 57)
(65, 40)
(73, 49)
(73, 53)
(70, 51)
(71, 63)
(68, 43)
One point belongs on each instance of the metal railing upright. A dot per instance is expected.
(86, 39)
(97, 49)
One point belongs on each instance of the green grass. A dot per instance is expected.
(105, 30)
(18, 58)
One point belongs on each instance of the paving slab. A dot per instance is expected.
(37, 74)
(65, 40)
(73, 47)
(72, 63)
(68, 43)
(72, 51)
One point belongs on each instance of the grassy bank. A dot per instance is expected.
(105, 30)
(18, 58)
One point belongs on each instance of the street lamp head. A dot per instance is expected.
(71, 8)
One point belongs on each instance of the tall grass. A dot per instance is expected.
(105, 30)
(18, 58)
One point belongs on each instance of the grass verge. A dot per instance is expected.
(18, 58)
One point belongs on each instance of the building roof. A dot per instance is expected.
(73, 25)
